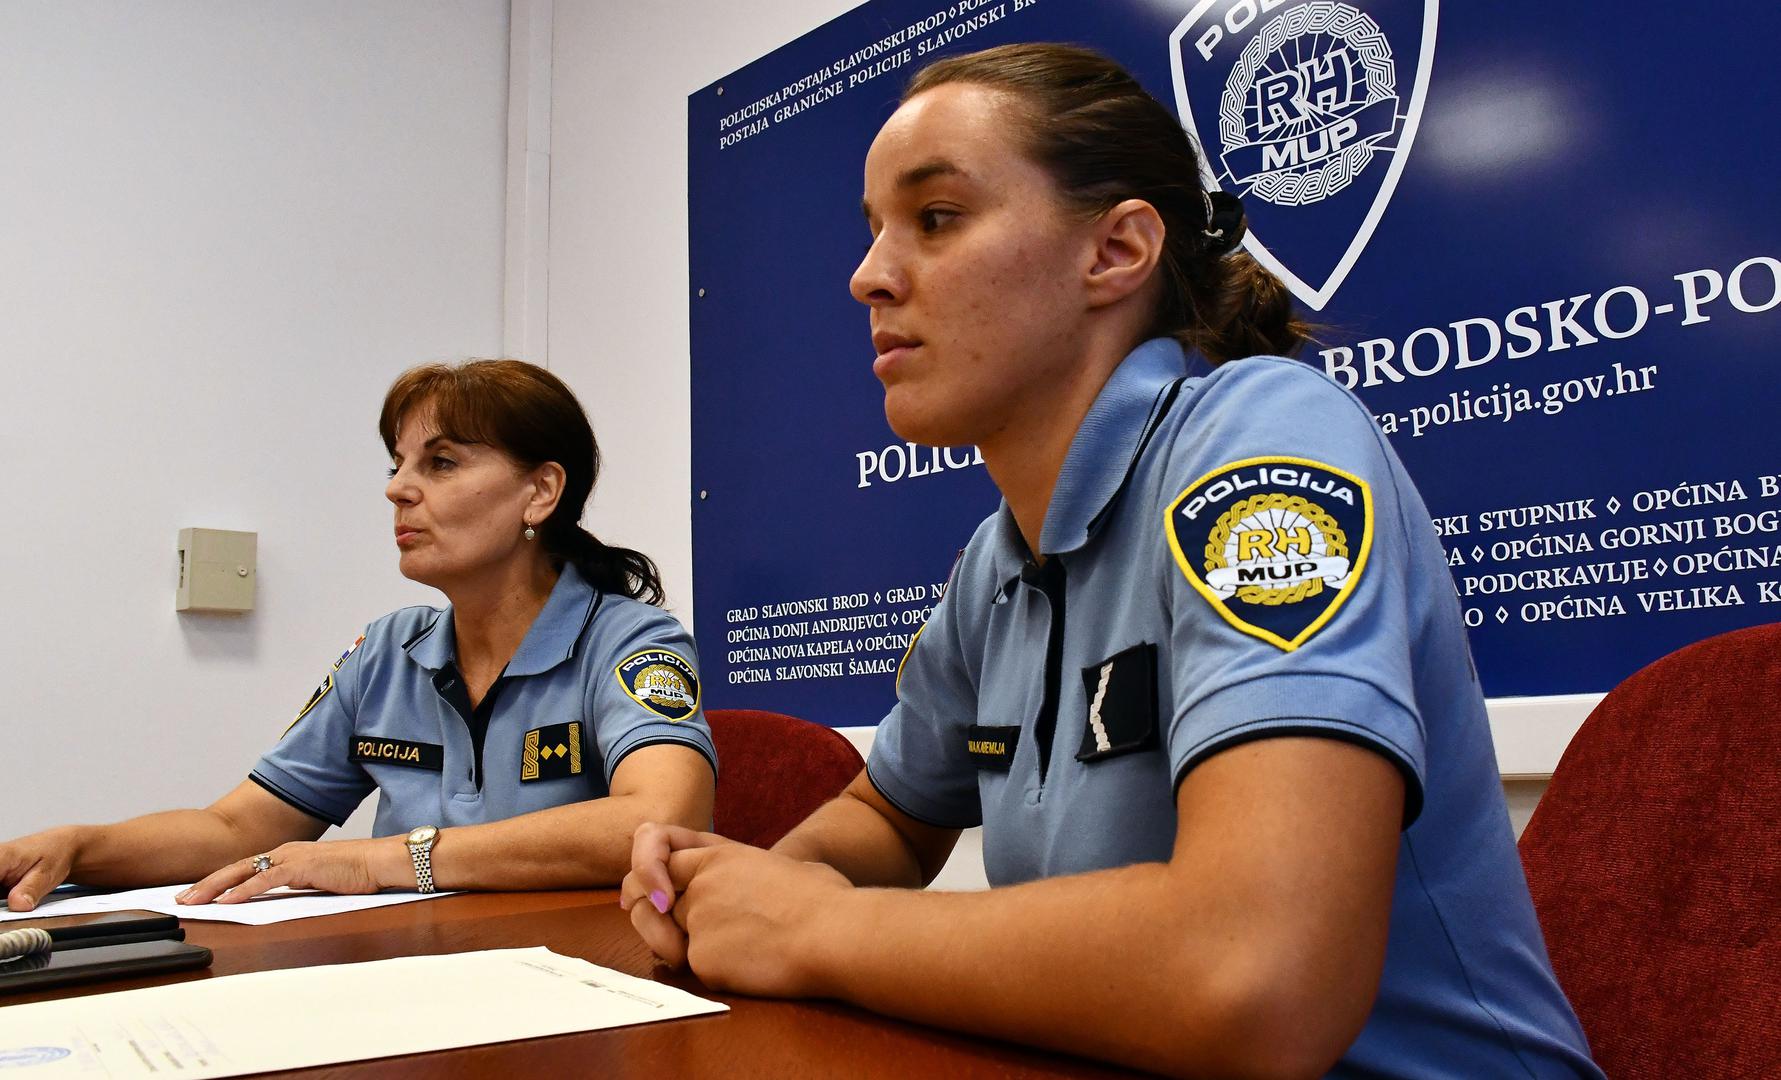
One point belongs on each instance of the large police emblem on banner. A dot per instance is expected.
(1306, 110)
(1276, 544)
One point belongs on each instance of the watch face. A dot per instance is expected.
(423, 835)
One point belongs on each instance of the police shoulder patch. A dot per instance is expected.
(350, 649)
(908, 651)
(326, 686)
(1275, 544)
(661, 681)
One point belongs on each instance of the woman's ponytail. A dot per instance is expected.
(607, 568)
(1243, 310)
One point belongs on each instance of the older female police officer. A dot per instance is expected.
(516, 738)
(1202, 679)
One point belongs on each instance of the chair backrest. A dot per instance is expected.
(773, 770)
(1654, 859)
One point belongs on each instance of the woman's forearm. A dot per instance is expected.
(166, 848)
(585, 845)
(1109, 965)
(870, 841)
(853, 838)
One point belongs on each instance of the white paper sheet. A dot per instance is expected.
(304, 1017)
(275, 906)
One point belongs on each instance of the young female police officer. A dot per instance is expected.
(1202, 678)
(516, 738)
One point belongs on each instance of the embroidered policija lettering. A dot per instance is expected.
(661, 681)
(1275, 544)
(413, 755)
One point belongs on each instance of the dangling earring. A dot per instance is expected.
(530, 533)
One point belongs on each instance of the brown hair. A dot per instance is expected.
(528, 414)
(1104, 139)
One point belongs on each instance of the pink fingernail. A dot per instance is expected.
(660, 900)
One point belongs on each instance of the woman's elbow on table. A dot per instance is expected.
(1258, 1014)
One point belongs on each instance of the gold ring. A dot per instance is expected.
(261, 863)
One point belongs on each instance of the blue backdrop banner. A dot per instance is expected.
(1539, 240)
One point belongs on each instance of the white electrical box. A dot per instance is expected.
(216, 570)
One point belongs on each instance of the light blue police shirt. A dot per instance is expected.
(1236, 556)
(596, 677)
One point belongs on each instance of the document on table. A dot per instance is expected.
(275, 906)
(305, 1017)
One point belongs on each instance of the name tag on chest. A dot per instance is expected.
(992, 747)
(413, 755)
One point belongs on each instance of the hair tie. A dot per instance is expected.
(1225, 224)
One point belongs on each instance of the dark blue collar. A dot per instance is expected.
(1101, 456)
(549, 641)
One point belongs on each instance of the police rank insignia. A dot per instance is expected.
(551, 753)
(1275, 544)
(661, 682)
(327, 685)
(1122, 705)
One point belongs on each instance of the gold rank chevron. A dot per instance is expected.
(534, 755)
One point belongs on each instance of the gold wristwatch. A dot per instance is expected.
(420, 849)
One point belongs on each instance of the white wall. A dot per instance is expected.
(224, 227)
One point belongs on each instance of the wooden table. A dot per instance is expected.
(755, 1038)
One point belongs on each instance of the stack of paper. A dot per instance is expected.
(273, 906)
(305, 1017)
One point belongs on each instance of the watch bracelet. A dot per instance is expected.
(422, 857)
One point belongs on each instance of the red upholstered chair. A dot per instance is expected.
(1655, 864)
(773, 770)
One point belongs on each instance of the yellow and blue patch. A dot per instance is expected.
(326, 686)
(660, 681)
(908, 651)
(1275, 544)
